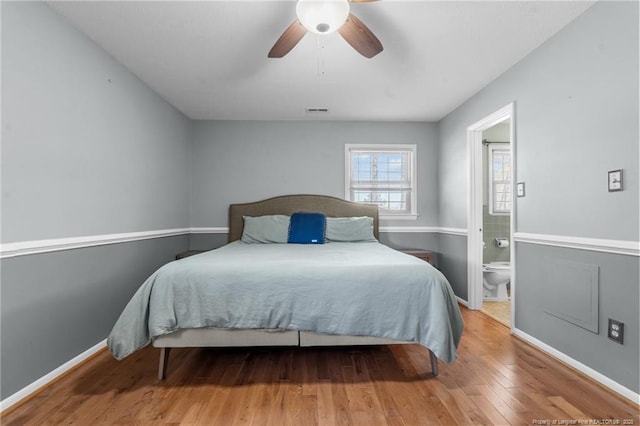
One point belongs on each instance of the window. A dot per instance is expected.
(500, 185)
(384, 175)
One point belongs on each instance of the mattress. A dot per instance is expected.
(357, 289)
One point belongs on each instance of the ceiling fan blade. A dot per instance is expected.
(360, 37)
(288, 40)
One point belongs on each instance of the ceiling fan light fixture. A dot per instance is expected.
(322, 16)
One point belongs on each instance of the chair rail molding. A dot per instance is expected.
(24, 248)
(629, 248)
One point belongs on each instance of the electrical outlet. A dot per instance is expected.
(616, 331)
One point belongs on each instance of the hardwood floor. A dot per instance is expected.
(497, 379)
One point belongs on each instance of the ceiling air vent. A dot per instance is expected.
(317, 109)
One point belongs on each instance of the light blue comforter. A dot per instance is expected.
(360, 289)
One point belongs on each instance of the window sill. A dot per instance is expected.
(398, 216)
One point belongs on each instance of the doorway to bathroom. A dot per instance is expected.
(490, 250)
(496, 221)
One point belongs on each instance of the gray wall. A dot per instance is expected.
(576, 118)
(87, 149)
(239, 161)
(57, 305)
(540, 296)
(452, 261)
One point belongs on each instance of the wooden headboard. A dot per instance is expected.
(288, 204)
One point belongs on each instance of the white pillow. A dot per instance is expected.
(350, 229)
(265, 229)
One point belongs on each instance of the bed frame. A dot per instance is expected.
(222, 337)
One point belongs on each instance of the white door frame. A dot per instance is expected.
(474, 205)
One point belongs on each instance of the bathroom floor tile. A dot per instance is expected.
(500, 311)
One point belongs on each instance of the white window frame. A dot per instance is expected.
(411, 149)
(491, 182)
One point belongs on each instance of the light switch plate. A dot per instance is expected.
(520, 189)
(615, 180)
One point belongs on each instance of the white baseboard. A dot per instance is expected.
(48, 378)
(462, 302)
(588, 371)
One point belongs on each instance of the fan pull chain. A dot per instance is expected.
(320, 45)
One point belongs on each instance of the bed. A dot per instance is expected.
(259, 294)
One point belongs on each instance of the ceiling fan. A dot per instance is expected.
(325, 17)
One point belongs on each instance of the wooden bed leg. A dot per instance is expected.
(434, 363)
(164, 362)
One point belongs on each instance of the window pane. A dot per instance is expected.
(396, 177)
(392, 201)
(497, 166)
(382, 177)
(501, 176)
(383, 163)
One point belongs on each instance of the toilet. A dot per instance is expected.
(495, 277)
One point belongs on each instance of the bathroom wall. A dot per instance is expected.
(494, 226)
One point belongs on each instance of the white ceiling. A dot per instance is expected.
(209, 58)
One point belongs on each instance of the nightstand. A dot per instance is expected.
(425, 255)
(188, 253)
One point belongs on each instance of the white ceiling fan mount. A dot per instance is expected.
(325, 17)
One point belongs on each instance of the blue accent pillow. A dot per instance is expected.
(307, 228)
